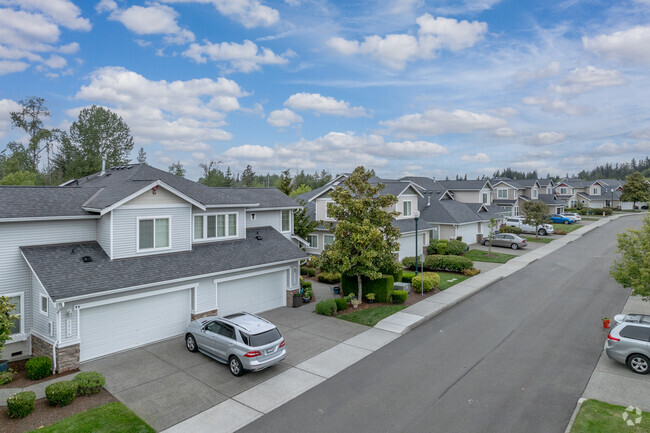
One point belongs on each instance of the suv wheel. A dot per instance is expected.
(566, 222)
(514, 246)
(638, 363)
(486, 242)
(235, 366)
(190, 343)
(541, 232)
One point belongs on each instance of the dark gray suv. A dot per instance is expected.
(243, 341)
(629, 342)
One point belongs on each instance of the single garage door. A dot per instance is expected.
(131, 323)
(252, 294)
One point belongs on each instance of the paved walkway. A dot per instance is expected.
(38, 388)
(244, 408)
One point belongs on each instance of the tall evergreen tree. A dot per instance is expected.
(248, 176)
(142, 156)
(228, 180)
(285, 182)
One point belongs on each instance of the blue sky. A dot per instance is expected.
(407, 87)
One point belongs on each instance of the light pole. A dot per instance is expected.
(416, 214)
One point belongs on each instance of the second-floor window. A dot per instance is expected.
(485, 197)
(286, 220)
(313, 241)
(502, 193)
(406, 208)
(328, 239)
(563, 191)
(594, 191)
(534, 193)
(154, 233)
(215, 226)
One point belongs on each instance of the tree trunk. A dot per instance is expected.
(360, 286)
(490, 249)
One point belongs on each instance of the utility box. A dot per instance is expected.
(402, 286)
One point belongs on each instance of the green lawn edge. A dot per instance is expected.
(599, 417)
(108, 418)
(541, 240)
(371, 316)
(481, 256)
(566, 227)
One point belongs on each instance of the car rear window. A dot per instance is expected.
(636, 332)
(262, 339)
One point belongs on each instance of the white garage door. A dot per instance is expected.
(252, 294)
(124, 325)
(468, 232)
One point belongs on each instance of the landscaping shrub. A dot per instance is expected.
(39, 367)
(399, 296)
(408, 262)
(559, 232)
(407, 276)
(456, 248)
(381, 287)
(304, 270)
(428, 279)
(441, 248)
(21, 404)
(599, 211)
(437, 262)
(341, 304)
(329, 277)
(444, 241)
(311, 272)
(61, 393)
(7, 376)
(471, 272)
(305, 284)
(89, 382)
(431, 249)
(394, 269)
(326, 307)
(459, 238)
(510, 229)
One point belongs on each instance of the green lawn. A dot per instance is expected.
(371, 316)
(446, 276)
(108, 418)
(541, 239)
(590, 218)
(598, 417)
(567, 227)
(481, 256)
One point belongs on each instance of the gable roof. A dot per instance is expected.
(465, 185)
(64, 275)
(20, 202)
(551, 199)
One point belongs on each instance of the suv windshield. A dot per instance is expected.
(262, 339)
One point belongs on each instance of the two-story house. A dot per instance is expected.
(130, 255)
(597, 193)
(511, 194)
(469, 191)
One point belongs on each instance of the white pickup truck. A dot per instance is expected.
(517, 221)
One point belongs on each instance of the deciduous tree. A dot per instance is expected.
(30, 119)
(633, 268)
(536, 213)
(635, 189)
(300, 190)
(177, 169)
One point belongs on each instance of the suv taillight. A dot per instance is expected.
(609, 337)
(253, 354)
(282, 344)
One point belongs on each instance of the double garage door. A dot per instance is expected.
(129, 323)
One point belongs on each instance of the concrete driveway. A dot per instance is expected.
(164, 383)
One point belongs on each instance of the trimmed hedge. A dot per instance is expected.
(304, 270)
(407, 276)
(399, 296)
(600, 210)
(39, 367)
(341, 304)
(409, 263)
(430, 280)
(441, 248)
(437, 262)
(329, 277)
(21, 404)
(61, 393)
(510, 229)
(456, 248)
(326, 307)
(381, 287)
(89, 382)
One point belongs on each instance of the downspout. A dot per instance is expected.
(57, 338)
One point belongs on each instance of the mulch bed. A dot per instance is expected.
(21, 380)
(44, 414)
(411, 299)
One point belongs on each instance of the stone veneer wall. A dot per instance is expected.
(204, 314)
(290, 294)
(67, 358)
(41, 347)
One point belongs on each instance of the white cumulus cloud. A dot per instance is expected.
(630, 46)
(324, 105)
(437, 121)
(246, 57)
(249, 13)
(547, 138)
(582, 80)
(477, 157)
(6, 107)
(283, 118)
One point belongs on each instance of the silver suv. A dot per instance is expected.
(243, 341)
(629, 342)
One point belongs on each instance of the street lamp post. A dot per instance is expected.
(416, 214)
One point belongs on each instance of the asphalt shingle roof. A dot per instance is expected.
(464, 185)
(551, 199)
(63, 273)
(43, 201)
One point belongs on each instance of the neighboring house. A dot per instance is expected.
(441, 216)
(512, 194)
(469, 191)
(129, 256)
(597, 193)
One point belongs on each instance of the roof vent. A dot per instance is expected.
(257, 235)
(87, 259)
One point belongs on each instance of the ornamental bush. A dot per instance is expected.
(441, 248)
(61, 393)
(329, 277)
(39, 367)
(381, 287)
(89, 382)
(399, 296)
(341, 304)
(510, 229)
(429, 279)
(7, 376)
(311, 272)
(437, 262)
(305, 284)
(326, 307)
(407, 276)
(304, 270)
(456, 248)
(21, 404)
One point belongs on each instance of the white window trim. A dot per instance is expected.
(535, 194)
(137, 234)
(205, 237)
(327, 217)
(502, 189)
(410, 202)
(21, 335)
(282, 220)
(47, 305)
(563, 191)
(325, 243)
(315, 243)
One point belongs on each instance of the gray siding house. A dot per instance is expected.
(129, 256)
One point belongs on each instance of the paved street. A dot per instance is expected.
(513, 358)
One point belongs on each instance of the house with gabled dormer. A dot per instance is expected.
(130, 255)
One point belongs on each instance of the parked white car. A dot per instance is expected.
(518, 221)
(575, 216)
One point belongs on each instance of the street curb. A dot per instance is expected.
(575, 414)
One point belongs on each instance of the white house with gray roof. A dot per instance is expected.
(129, 256)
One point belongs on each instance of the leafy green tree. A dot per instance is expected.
(492, 226)
(142, 156)
(285, 182)
(177, 169)
(7, 319)
(20, 178)
(364, 237)
(635, 189)
(97, 134)
(30, 119)
(303, 225)
(248, 176)
(17, 160)
(536, 213)
(633, 269)
(300, 190)
(212, 176)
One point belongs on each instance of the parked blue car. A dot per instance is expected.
(557, 218)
